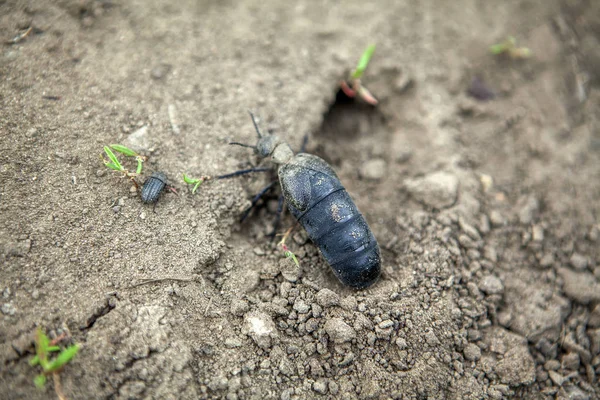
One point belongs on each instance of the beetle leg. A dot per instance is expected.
(243, 172)
(277, 217)
(304, 143)
(256, 199)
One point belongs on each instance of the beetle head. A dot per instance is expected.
(269, 146)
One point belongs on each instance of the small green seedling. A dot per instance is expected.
(194, 181)
(509, 48)
(43, 348)
(286, 251)
(114, 163)
(130, 153)
(352, 87)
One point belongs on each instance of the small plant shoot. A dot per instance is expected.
(286, 251)
(114, 163)
(509, 48)
(352, 86)
(363, 62)
(43, 348)
(194, 181)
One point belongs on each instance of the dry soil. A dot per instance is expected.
(487, 212)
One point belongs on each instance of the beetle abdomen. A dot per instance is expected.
(320, 203)
(336, 226)
(153, 187)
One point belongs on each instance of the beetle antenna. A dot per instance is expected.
(243, 145)
(255, 124)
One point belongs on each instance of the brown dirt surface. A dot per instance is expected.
(487, 212)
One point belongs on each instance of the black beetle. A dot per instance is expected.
(153, 187)
(318, 200)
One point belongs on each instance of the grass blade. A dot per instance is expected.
(363, 62)
(40, 381)
(124, 150)
(34, 361)
(112, 166)
(196, 186)
(139, 166)
(113, 158)
(291, 255)
(41, 346)
(188, 180)
(64, 357)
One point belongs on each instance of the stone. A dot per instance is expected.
(570, 361)
(260, 328)
(580, 286)
(301, 306)
(373, 169)
(339, 331)
(517, 367)
(327, 298)
(320, 386)
(491, 284)
(438, 189)
(472, 352)
(138, 140)
(578, 261)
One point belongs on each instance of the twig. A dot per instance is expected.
(208, 306)
(20, 36)
(58, 386)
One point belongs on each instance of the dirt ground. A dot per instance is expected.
(487, 212)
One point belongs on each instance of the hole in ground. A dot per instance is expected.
(351, 131)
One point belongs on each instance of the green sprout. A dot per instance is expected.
(509, 47)
(194, 181)
(43, 348)
(130, 153)
(352, 86)
(289, 254)
(286, 251)
(114, 163)
(363, 62)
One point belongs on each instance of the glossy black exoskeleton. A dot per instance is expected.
(318, 200)
(153, 187)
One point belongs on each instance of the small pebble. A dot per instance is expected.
(160, 71)
(552, 365)
(320, 386)
(373, 169)
(491, 284)
(339, 331)
(578, 261)
(472, 352)
(438, 190)
(327, 298)
(8, 309)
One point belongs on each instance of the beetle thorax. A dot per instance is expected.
(282, 154)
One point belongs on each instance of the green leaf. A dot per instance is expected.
(40, 381)
(54, 348)
(363, 62)
(139, 166)
(34, 361)
(188, 180)
(503, 47)
(64, 357)
(113, 158)
(196, 186)
(124, 150)
(41, 346)
(112, 166)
